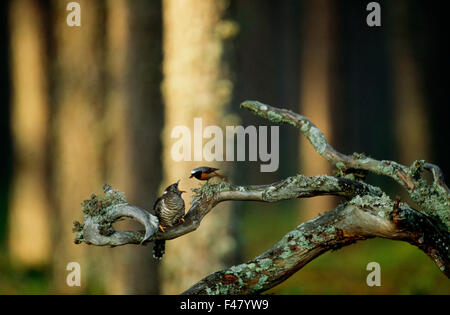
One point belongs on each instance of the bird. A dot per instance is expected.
(169, 208)
(206, 173)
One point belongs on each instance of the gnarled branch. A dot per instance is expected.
(434, 199)
(101, 213)
(359, 219)
(367, 212)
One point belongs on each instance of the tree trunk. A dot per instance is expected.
(135, 117)
(315, 91)
(29, 205)
(195, 85)
(410, 107)
(78, 137)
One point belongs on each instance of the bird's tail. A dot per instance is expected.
(159, 249)
(221, 176)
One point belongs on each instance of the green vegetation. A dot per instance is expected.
(404, 268)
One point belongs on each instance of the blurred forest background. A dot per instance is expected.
(94, 104)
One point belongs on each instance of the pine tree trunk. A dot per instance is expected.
(77, 138)
(195, 85)
(29, 236)
(135, 118)
(410, 107)
(315, 92)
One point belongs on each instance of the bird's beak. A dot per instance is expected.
(181, 191)
(191, 176)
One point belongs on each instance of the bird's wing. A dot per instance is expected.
(156, 206)
(207, 169)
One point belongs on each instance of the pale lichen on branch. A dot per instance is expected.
(433, 199)
(365, 212)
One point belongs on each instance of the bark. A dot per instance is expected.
(134, 114)
(30, 133)
(316, 99)
(410, 103)
(77, 91)
(359, 219)
(196, 84)
(433, 198)
(366, 212)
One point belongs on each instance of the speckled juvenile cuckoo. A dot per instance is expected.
(169, 208)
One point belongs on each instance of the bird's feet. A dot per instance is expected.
(182, 220)
(162, 228)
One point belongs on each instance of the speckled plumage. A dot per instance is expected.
(169, 208)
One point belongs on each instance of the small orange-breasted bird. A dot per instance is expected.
(206, 173)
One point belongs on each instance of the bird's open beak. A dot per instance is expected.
(181, 191)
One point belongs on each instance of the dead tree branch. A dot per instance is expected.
(433, 199)
(101, 213)
(359, 219)
(366, 212)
